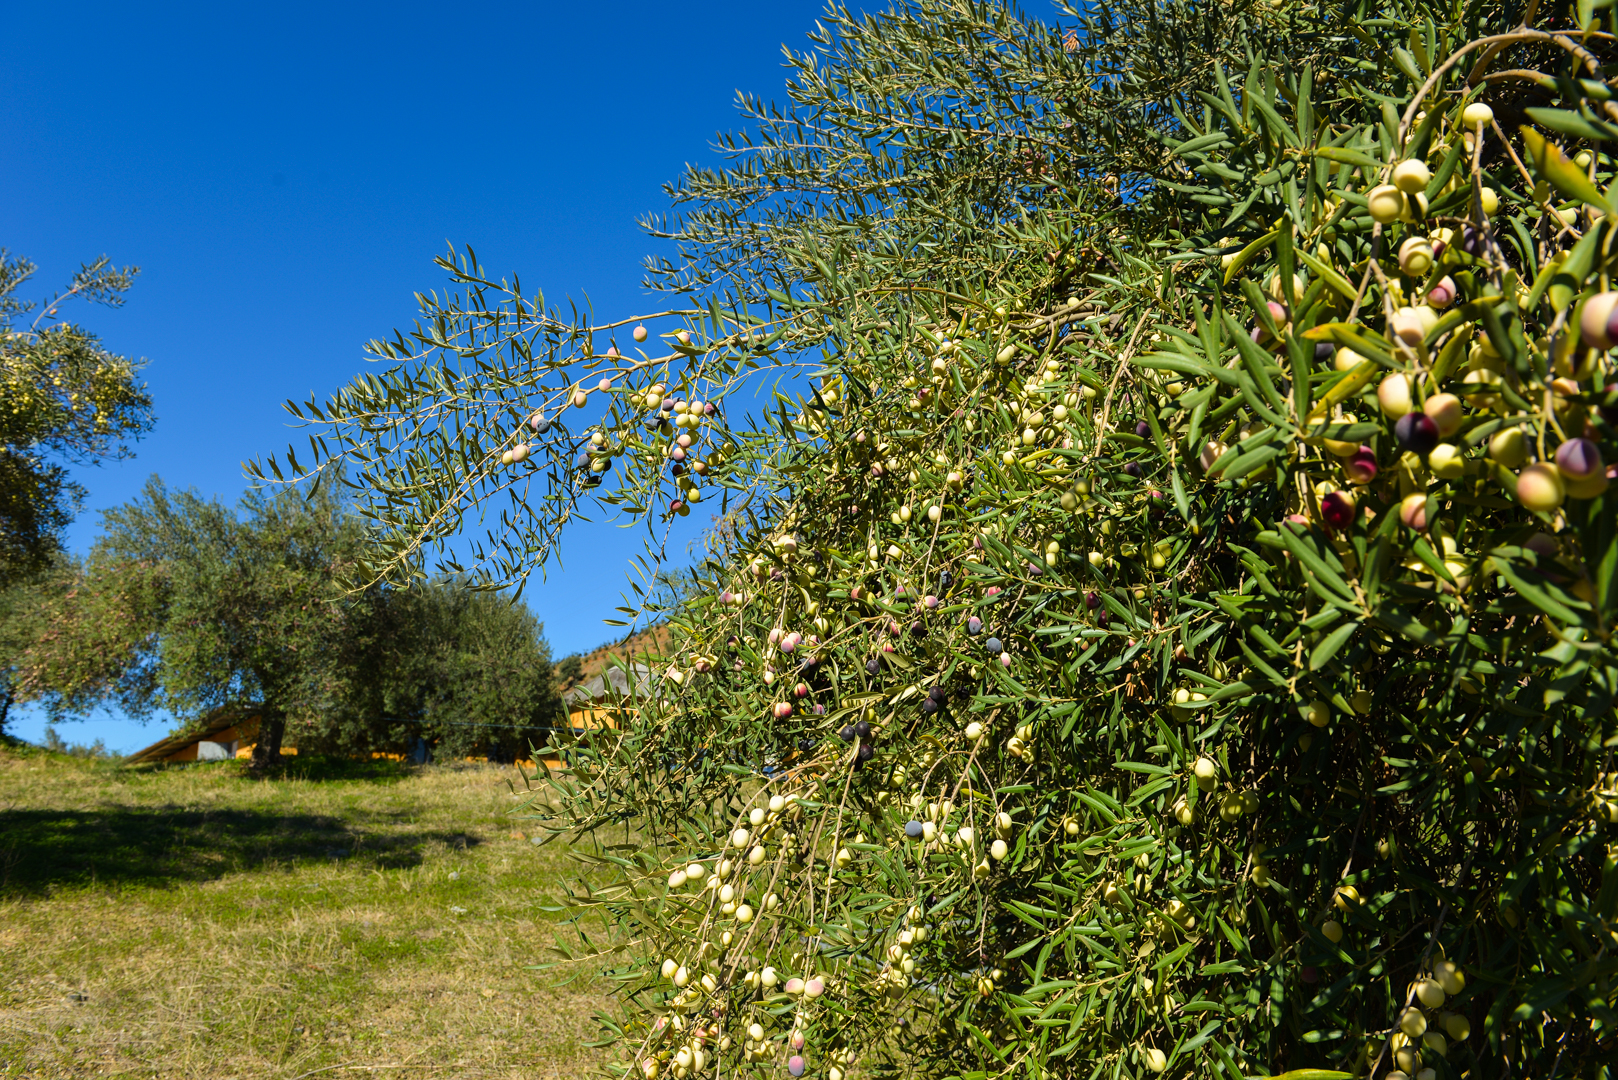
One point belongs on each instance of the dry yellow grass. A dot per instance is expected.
(189, 922)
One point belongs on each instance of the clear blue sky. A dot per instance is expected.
(283, 174)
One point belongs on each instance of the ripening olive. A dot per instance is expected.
(1508, 447)
(1450, 976)
(1394, 395)
(1539, 487)
(1411, 176)
(1416, 256)
(1446, 461)
(1337, 509)
(1579, 459)
(1413, 510)
(1598, 321)
(1386, 203)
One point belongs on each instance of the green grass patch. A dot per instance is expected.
(193, 921)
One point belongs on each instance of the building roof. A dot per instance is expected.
(226, 716)
(649, 644)
(617, 681)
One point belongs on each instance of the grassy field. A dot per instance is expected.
(186, 921)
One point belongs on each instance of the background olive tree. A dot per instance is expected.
(186, 604)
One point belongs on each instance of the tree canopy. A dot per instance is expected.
(186, 604)
(1173, 632)
(64, 400)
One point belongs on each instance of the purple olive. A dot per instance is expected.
(937, 694)
(1473, 240)
(1092, 601)
(863, 729)
(1143, 429)
(873, 666)
(1416, 432)
(929, 706)
(974, 626)
(1324, 351)
(865, 752)
(668, 404)
(1337, 509)
(1361, 468)
(795, 1065)
(1133, 469)
(1579, 459)
(930, 602)
(994, 646)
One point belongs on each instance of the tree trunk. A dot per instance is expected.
(7, 694)
(267, 751)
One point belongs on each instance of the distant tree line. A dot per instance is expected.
(185, 604)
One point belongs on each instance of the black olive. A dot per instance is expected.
(863, 730)
(847, 734)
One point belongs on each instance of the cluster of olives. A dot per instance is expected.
(1423, 1031)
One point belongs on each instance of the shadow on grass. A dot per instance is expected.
(158, 846)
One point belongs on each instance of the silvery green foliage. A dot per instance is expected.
(1062, 698)
(64, 401)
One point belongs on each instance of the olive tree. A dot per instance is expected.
(1172, 633)
(64, 400)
